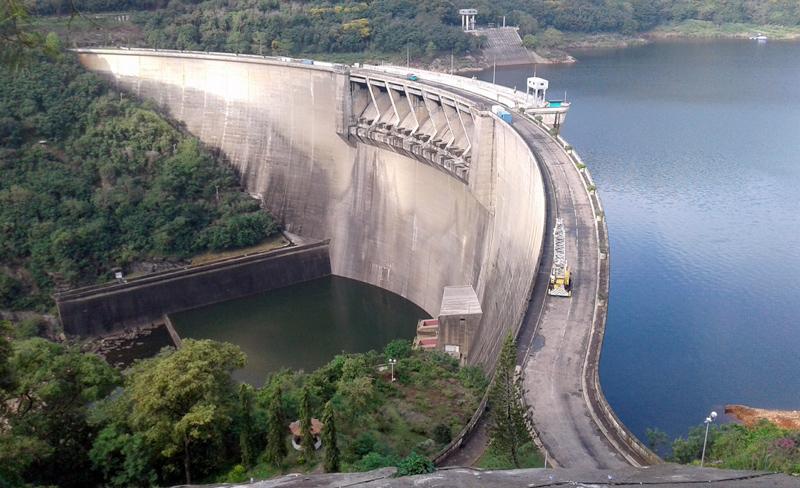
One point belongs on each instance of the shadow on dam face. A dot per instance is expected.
(393, 221)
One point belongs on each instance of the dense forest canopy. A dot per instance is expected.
(91, 180)
(71, 420)
(392, 26)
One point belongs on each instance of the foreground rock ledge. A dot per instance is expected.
(663, 475)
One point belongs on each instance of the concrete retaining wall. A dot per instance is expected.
(392, 221)
(101, 309)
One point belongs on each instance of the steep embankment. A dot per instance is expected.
(91, 179)
(749, 416)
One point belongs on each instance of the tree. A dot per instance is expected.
(529, 41)
(397, 349)
(508, 427)
(6, 373)
(276, 429)
(329, 439)
(182, 403)
(246, 443)
(686, 450)
(18, 41)
(47, 431)
(430, 50)
(656, 439)
(551, 38)
(307, 440)
(442, 434)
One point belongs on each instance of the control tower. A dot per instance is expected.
(468, 19)
(537, 91)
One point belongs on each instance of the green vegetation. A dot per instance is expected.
(528, 457)
(764, 446)
(276, 434)
(708, 29)
(173, 418)
(329, 440)
(72, 420)
(91, 179)
(508, 415)
(46, 390)
(307, 440)
(387, 28)
(413, 464)
(17, 41)
(280, 28)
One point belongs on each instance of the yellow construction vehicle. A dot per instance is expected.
(560, 281)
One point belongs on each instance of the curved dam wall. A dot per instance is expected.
(393, 221)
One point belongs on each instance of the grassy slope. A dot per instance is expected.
(529, 457)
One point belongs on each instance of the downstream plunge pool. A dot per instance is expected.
(303, 326)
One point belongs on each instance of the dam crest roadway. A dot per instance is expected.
(420, 186)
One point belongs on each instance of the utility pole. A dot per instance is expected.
(707, 421)
(494, 69)
(408, 56)
(451, 61)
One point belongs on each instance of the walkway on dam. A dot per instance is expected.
(555, 333)
(554, 366)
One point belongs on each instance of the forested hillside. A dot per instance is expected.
(424, 27)
(91, 179)
(71, 420)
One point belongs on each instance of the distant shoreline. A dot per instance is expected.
(574, 43)
(690, 30)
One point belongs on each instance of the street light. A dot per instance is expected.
(707, 421)
(392, 362)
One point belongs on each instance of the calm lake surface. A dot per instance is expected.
(695, 148)
(303, 326)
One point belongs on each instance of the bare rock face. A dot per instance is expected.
(749, 416)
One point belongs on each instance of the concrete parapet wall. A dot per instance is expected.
(101, 309)
(392, 220)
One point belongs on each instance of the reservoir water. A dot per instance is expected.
(695, 149)
(303, 326)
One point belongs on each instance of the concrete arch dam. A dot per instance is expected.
(418, 186)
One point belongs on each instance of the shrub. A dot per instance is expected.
(414, 464)
(374, 460)
(530, 41)
(397, 349)
(442, 434)
(363, 445)
(473, 378)
(32, 327)
(236, 475)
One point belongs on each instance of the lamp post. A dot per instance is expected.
(707, 421)
(392, 362)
